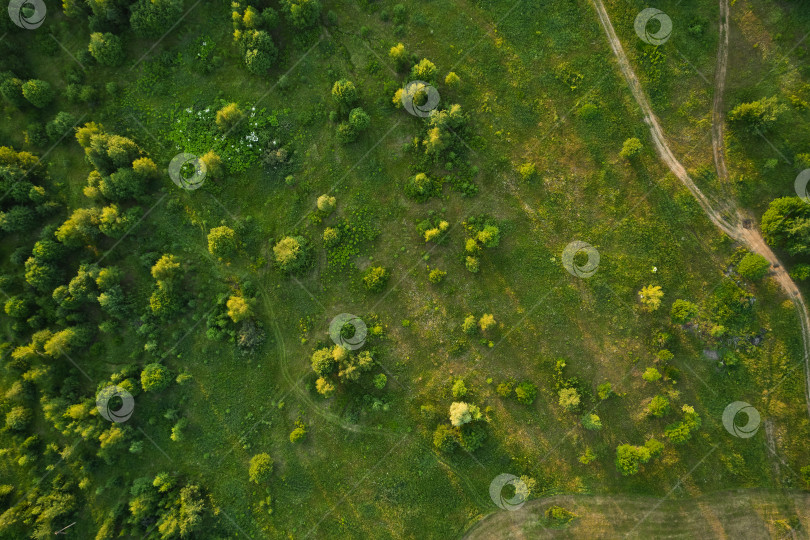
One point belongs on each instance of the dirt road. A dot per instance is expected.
(724, 214)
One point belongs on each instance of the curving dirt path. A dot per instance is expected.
(735, 224)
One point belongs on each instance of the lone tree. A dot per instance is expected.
(375, 278)
(291, 253)
(650, 297)
(261, 467)
(229, 116)
(462, 413)
(398, 55)
(631, 148)
(425, 70)
(683, 311)
(753, 267)
(222, 242)
(344, 93)
(238, 309)
(155, 377)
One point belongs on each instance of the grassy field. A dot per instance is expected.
(726, 514)
(528, 73)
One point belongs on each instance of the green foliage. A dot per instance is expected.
(786, 224)
(302, 13)
(629, 458)
(152, 18)
(247, 134)
(436, 276)
(631, 148)
(557, 516)
(459, 388)
(651, 374)
(222, 242)
(344, 93)
(526, 392)
(375, 278)
(569, 399)
(11, 90)
(421, 187)
(425, 70)
(18, 418)
(298, 433)
(753, 267)
(359, 120)
(462, 413)
(155, 377)
(39, 93)
(800, 272)
(259, 50)
(292, 254)
(380, 380)
(757, 115)
(591, 422)
(683, 311)
(60, 125)
(805, 475)
(323, 362)
(681, 432)
(238, 309)
(658, 406)
(261, 467)
(107, 48)
(444, 438)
